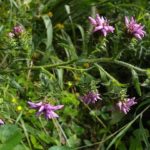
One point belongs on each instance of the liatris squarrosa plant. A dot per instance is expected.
(101, 25)
(126, 104)
(91, 97)
(46, 109)
(135, 29)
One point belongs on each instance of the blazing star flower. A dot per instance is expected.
(46, 109)
(1, 122)
(125, 105)
(17, 30)
(90, 97)
(101, 25)
(134, 28)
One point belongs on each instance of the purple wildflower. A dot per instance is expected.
(101, 25)
(90, 97)
(134, 28)
(46, 109)
(1, 122)
(125, 105)
(17, 30)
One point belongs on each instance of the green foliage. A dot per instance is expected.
(10, 137)
(49, 29)
(60, 148)
(57, 59)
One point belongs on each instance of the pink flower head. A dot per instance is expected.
(1, 122)
(17, 30)
(125, 105)
(46, 109)
(90, 97)
(101, 25)
(134, 28)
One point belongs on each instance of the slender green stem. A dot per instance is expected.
(77, 69)
(99, 120)
(39, 67)
(26, 133)
(59, 128)
(129, 66)
(51, 65)
(110, 60)
(44, 129)
(97, 60)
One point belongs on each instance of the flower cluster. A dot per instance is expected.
(134, 28)
(17, 31)
(90, 97)
(125, 105)
(102, 26)
(46, 109)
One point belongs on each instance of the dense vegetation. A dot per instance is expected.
(74, 74)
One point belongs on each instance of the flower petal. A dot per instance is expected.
(98, 28)
(50, 115)
(1, 122)
(34, 105)
(126, 21)
(93, 21)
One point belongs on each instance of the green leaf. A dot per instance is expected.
(16, 85)
(60, 77)
(21, 147)
(49, 29)
(136, 82)
(60, 148)
(121, 146)
(148, 73)
(10, 136)
(74, 141)
(116, 117)
(1, 100)
(1, 28)
(69, 99)
(35, 143)
(136, 140)
(47, 138)
(12, 2)
(144, 134)
(67, 44)
(83, 39)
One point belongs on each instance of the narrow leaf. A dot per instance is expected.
(49, 29)
(136, 82)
